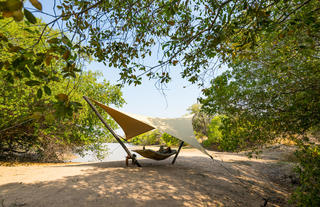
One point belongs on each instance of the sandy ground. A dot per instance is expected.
(195, 180)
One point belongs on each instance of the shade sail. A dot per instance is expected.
(180, 128)
(131, 126)
(134, 125)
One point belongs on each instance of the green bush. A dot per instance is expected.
(42, 112)
(155, 138)
(148, 138)
(214, 132)
(45, 127)
(169, 140)
(308, 192)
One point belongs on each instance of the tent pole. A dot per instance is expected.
(175, 157)
(112, 132)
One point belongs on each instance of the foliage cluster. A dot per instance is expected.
(200, 120)
(155, 138)
(169, 140)
(37, 125)
(273, 88)
(307, 194)
(34, 53)
(214, 133)
(42, 110)
(148, 138)
(190, 34)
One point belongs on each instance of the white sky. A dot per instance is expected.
(146, 99)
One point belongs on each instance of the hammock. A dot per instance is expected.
(134, 125)
(155, 155)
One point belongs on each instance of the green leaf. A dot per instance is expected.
(62, 97)
(29, 30)
(53, 41)
(39, 93)
(36, 4)
(55, 78)
(9, 78)
(13, 5)
(3, 37)
(47, 90)
(33, 83)
(66, 55)
(26, 72)
(30, 16)
(69, 111)
(76, 104)
(17, 15)
(66, 41)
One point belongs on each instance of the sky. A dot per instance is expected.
(145, 99)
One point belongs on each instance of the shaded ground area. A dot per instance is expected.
(194, 180)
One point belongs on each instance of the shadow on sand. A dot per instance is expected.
(190, 182)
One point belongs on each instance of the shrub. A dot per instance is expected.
(47, 127)
(148, 138)
(169, 140)
(308, 192)
(155, 138)
(214, 132)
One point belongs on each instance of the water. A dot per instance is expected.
(115, 153)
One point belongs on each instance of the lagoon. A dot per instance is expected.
(115, 153)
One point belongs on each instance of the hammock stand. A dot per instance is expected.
(151, 154)
(156, 155)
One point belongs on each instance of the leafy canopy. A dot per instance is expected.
(42, 110)
(189, 34)
(272, 90)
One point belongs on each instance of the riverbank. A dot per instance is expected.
(195, 180)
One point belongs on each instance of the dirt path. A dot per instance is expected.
(194, 180)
